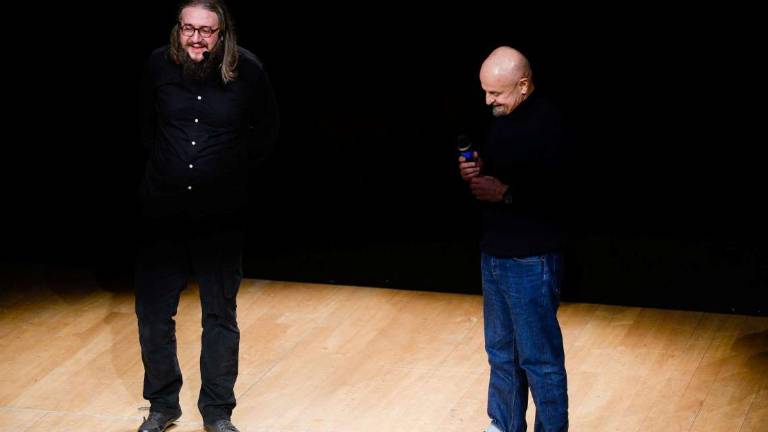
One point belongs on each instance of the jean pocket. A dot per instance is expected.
(551, 275)
(534, 259)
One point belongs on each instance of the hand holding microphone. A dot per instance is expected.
(470, 163)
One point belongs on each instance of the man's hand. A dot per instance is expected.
(486, 188)
(470, 170)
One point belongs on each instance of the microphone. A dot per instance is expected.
(206, 55)
(464, 146)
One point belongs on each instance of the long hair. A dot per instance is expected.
(227, 37)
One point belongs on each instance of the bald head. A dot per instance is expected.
(506, 78)
(506, 63)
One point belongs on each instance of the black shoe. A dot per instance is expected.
(158, 422)
(221, 426)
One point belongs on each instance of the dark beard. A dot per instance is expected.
(202, 70)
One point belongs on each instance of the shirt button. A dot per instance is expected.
(196, 120)
(194, 143)
(199, 98)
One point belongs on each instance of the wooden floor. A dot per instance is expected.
(319, 358)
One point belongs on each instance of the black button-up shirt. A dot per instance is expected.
(203, 137)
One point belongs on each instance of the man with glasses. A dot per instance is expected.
(209, 118)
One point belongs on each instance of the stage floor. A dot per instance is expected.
(326, 358)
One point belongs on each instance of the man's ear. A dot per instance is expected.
(524, 85)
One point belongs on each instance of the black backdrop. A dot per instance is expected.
(665, 193)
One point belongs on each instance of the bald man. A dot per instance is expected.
(516, 178)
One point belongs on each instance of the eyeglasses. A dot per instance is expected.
(189, 30)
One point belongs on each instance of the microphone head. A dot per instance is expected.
(464, 146)
(463, 143)
(206, 55)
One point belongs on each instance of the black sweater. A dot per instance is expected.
(524, 151)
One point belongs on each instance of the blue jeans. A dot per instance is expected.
(524, 342)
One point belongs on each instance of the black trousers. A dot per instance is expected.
(168, 255)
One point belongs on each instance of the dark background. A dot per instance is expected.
(666, 201)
